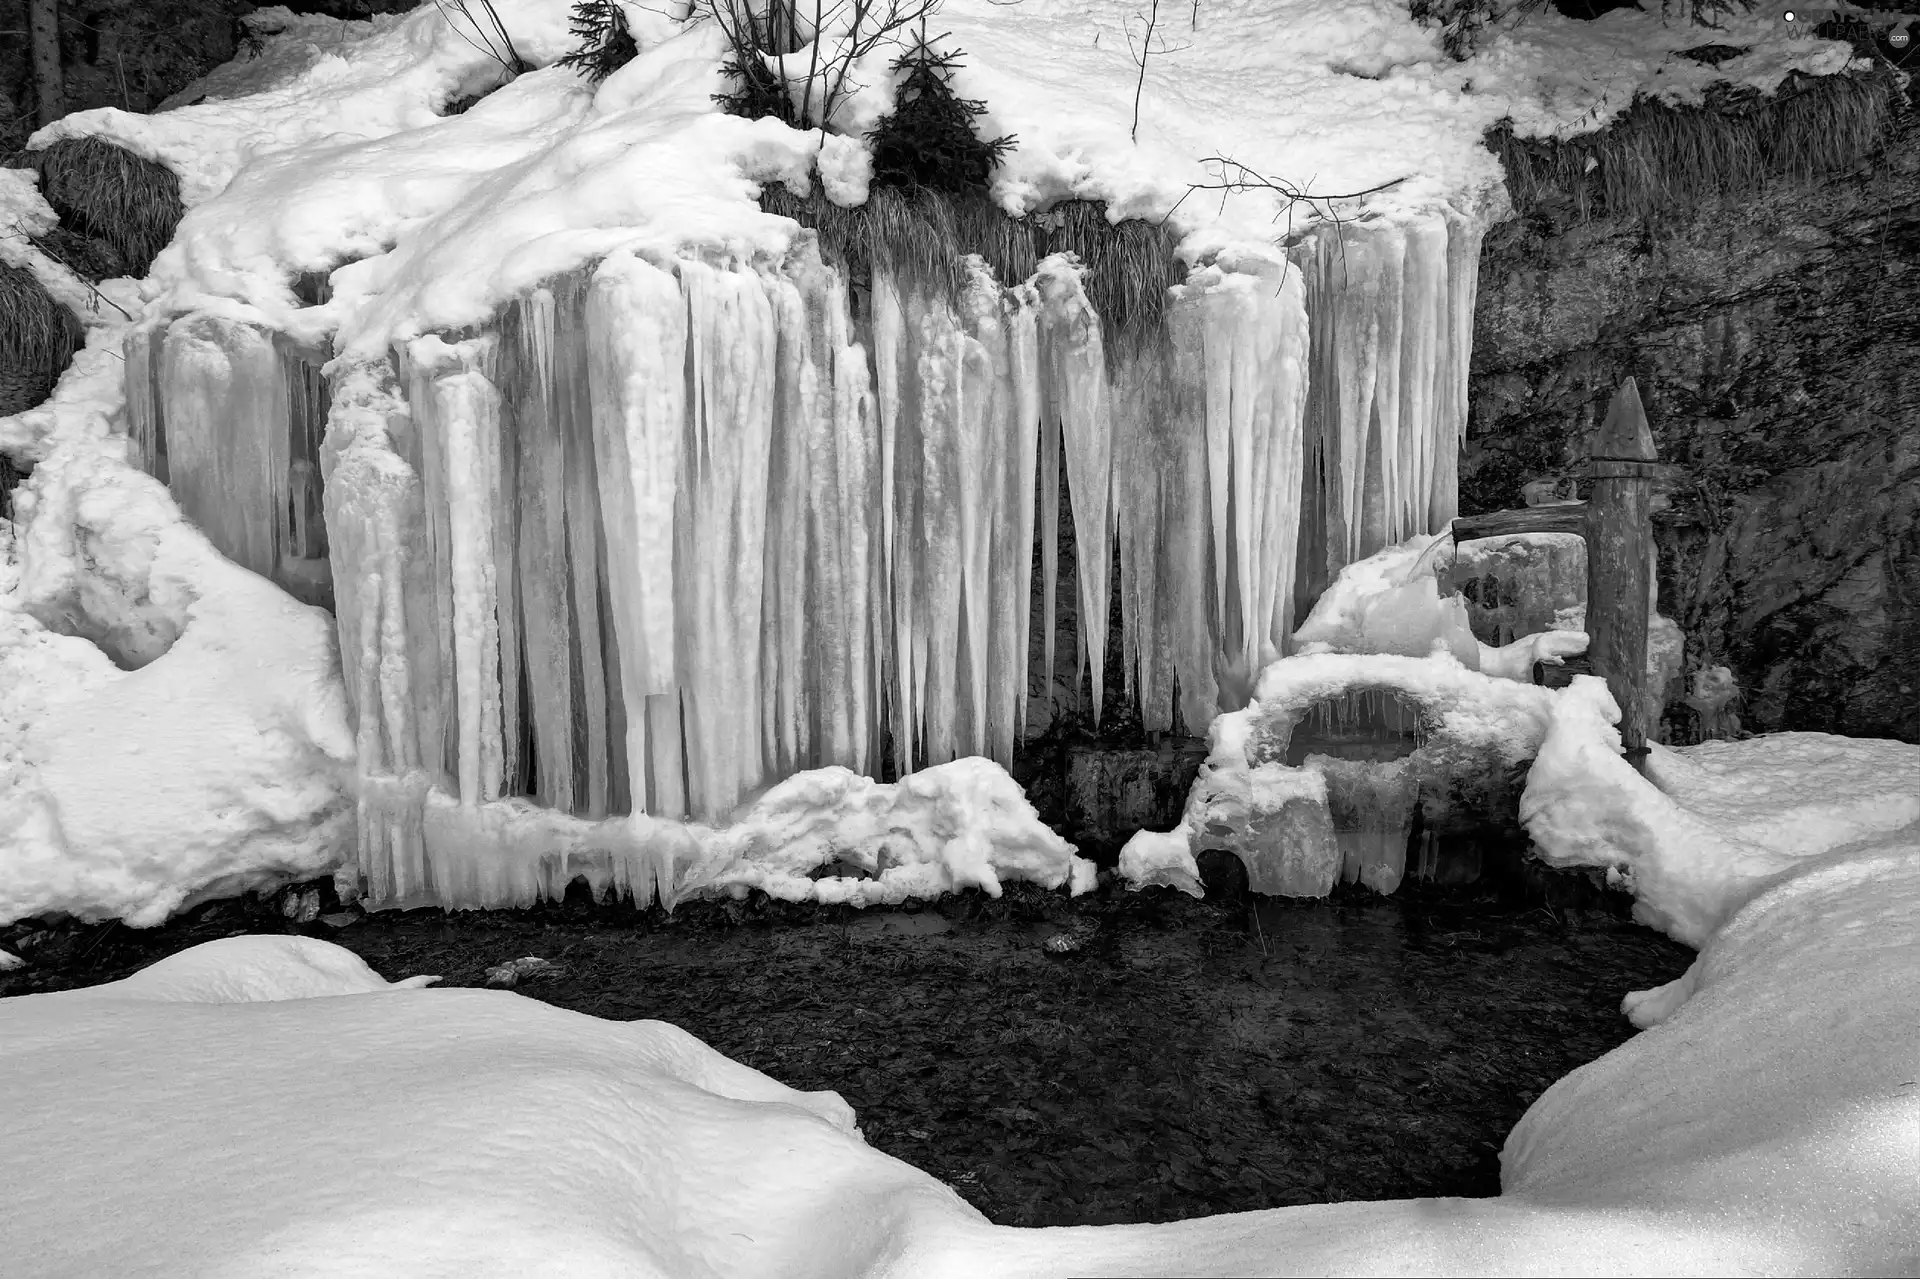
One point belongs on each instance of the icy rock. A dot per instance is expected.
(301, 906)
(1290, 847)
(1112, 793)
(1519, 585)
(10, 961)
(510, 974)
(1070, 939)
(340, 919)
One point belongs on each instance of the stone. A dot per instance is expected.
(1113, 792)
(508, 975)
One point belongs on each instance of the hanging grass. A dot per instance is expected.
(107, 193)
(915, 231)
(38, 337)
(1658, 158)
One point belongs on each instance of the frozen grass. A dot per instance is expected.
(108, 193)
(38, 337)
(1657, 158)
(925, 234)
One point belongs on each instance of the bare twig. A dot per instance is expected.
(503, 52)
(1140, 56)
(95, 298)
(1236, 177)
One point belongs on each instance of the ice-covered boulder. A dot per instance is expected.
(1345, 750)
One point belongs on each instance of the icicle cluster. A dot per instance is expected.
(1392, 307)
(672, 530)
(230, 417)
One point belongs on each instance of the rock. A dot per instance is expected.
(1111, 793)
(300, 905)
(508, 975)
(340, 919)
(10, 961)
(1072, 938)
(1775, 356)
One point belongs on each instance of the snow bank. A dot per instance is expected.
(198, 745)
(1781, 1100)
(965, 824)
(1709, 824)
(1766, 1129)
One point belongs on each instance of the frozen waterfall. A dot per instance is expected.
(670, 530)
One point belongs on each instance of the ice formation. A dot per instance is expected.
(1319, 778)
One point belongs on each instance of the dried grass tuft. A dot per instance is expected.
(38, 337)
(1657, 158)
(925, 234)
(107, 193)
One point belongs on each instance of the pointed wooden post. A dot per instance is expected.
(1619, 545)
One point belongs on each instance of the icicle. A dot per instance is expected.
(1386, 252)
(635, 323)
(506, 535)
(1423, 388)
(731, 345)
(1284, 356)
(1003, 387)
(1050, 440)
(466, 411)
(1463, 275)
(980, 462)
(1021, 329)
(540, 444)
(1140, 476)
(141, 373)
(788, 675)
(597, 661)
(899, 497)
(939, 354)
(1071, 344)
(226, 439)
(856, 455)
(1189, 519)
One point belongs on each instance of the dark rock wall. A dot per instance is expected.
(1776, 343)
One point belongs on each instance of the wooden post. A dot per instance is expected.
(1619, 544)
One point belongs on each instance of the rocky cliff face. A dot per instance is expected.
(1776, 342)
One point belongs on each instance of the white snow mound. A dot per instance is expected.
(1709, 824)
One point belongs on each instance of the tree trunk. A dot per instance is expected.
(49, 83)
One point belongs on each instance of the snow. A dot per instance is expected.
(1769, 1126)
(171, 726)
(1782, 1097)
(1709, 825)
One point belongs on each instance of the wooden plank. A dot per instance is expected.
(1561, 517)
(1561, 676)
(1619, 545)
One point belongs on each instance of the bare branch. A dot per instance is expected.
(1140, 59)
(1236, 177)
